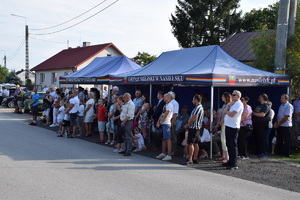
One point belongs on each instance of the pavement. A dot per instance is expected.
(35, 164)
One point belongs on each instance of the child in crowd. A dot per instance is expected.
(138, 140)
(185, 144)
(274, 140)
(102, 115)
(66, 122)
(60, 115)
(81, 117)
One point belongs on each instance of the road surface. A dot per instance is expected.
(35, 164)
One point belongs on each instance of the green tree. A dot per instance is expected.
(264, 50)
(144, 58)
(204, 22)
(13, 78)
(261, 19)
(3, 73)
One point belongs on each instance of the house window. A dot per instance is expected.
(54, 77)
(108, 55)
(42, 78)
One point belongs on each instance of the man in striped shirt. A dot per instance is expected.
(193, 126)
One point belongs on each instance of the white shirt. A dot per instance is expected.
(272, 113)
(6, 92)
(62, 113)
(205, 136)
(175, 106)
(105, 93)
(234, 122)
(45, 89)
(81, 110)
(140, 140)
(128, 110)
(75, 102)
(285, 110)
(168, 107)
(91, 110)
(53, 94)
(67, 117)
(66, 91)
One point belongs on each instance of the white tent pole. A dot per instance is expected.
(211, 117)
(150, 95)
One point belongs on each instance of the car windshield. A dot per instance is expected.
(42, 95)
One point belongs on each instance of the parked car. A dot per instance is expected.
(27, 102)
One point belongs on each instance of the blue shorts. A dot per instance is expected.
(166, 128)
(101, 126)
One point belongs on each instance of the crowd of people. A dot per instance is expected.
(128, 123)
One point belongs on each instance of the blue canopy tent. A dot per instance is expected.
(201, 66)
(100, 70)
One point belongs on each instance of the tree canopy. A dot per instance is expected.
(261, 19)
(13, 78)
(264, 49)
(144, 58)
(3, 73)
(204, 22)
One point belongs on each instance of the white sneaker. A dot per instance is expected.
(52, 125)
(112, 143)
(116, 150)
(108, 142)
(56, 125)
(167, 158)
(160, 156)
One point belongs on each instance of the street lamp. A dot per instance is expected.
(26, 49)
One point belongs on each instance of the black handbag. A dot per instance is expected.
(248, 127)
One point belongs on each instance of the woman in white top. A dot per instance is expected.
(89, 113)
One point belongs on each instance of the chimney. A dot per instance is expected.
(86, 44)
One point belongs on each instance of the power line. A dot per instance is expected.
(78, 22)
(47, 40)
(17, 50)
(70, 19)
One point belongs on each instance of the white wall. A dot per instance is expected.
(22, 77)
(48, 74)
(48, 78)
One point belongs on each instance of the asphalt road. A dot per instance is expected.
(35, 164)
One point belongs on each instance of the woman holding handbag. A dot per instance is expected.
(245, 130)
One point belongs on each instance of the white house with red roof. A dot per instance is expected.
(70, 60)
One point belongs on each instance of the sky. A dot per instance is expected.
(132, 25)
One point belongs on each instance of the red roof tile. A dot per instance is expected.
(72, 57)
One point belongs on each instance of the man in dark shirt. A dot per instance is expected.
(260, 119)
(157, 112)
